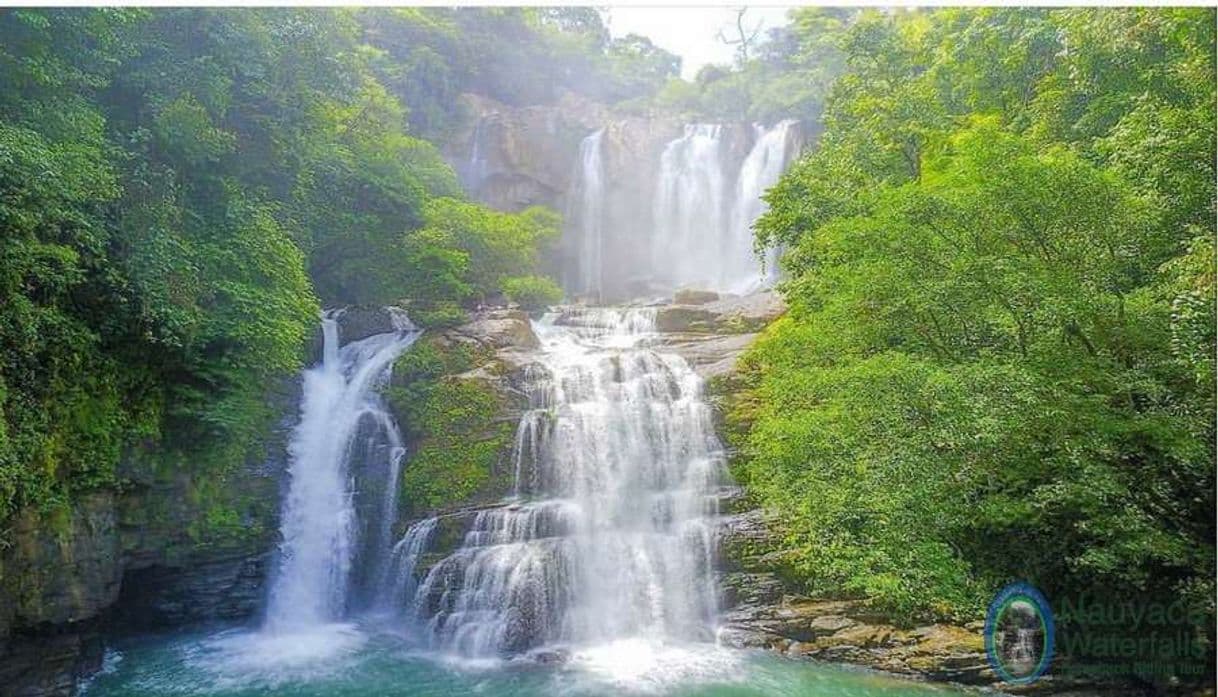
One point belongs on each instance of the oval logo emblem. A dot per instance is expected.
(1019, 634)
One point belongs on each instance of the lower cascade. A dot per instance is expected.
(602, 558)
(595, 576)
(343, 425)
(610, 533)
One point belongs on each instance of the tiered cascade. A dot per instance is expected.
(611, 532)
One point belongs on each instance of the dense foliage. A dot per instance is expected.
(515, 55)
(999, 358)
(787, 74)
(178, 189)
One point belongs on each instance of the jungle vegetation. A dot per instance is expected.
(998, 364)
(999, 257)
(181, 190)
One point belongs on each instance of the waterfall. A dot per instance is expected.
(703, 215)
(690, 209)
(762, 168)
(405, 557)
(609, 535)
(342, 419)
(590, 215)
(475, 169)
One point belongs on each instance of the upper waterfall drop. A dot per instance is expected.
(690, 209)
(764, 165)
(340, 410)
(705, 206)
(590, 216)
(645, 218)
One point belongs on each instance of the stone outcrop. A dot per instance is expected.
(362, 321)
(173, 544)
(712, 335)
(514, 157)
(763, 612)
(498, 329)
(728, 315)
(480, 366)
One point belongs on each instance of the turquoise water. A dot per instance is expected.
(344, 661)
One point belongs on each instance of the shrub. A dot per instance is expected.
(532, 293)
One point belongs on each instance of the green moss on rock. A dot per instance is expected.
(455, 424)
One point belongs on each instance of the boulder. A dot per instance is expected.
(693, 296)
(500, 329)
(748, 313)
(362, 321)
(736, 315)
(685, 318)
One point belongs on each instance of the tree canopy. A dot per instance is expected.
(179, 192)
(999, 359)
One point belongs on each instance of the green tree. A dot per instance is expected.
(998, 362)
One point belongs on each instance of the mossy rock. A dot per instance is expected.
(684, 318)
(458, 427)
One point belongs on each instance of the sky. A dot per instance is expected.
(689, 32)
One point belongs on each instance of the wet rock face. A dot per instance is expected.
(514, 157)
(42, 663)
(160, 596)
(62, 570)
(362, 321)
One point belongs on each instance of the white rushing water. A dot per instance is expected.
(705, 196)
(704, 211)
(761, 170)
(690, 209)
(474, 170)
(342, 417)
(590, 216)
(610, 536)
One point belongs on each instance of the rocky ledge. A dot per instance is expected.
(762, 612)
(711, 332)
(458, 395)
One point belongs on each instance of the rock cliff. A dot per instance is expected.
(514, 157)
(164, 548)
